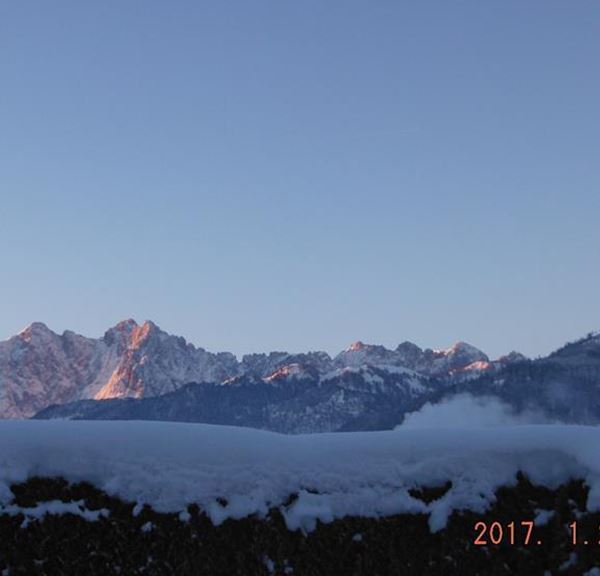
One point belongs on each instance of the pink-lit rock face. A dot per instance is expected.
(154, 363)
(39, 368)
(356, 346)
(288, 371)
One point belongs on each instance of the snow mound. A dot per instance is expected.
(234, 472)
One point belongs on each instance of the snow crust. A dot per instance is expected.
(54, 507)
(234, 472)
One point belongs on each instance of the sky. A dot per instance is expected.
(279, 175)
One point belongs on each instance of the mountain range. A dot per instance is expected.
(141, 372)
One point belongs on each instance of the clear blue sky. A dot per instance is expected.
(298, 175)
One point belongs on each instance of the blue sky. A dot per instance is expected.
(299, 175)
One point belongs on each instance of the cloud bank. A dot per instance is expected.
(468, 411)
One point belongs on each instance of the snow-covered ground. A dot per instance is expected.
(233, 472)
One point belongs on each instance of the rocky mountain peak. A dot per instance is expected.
(407, 346)
(140, 334)
(356, 346)
(462, 347)
(512, 357)
(409, 354)
(121, 332)
(463, 353)
(126, 325)
(35, 330)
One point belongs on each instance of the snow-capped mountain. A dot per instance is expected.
(458, 357)
(153, 362)
(39, 367)
(143, 372)
(265, 365)
(369, 387)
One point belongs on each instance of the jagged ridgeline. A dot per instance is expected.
(141, 372)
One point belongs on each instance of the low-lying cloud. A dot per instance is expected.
(468, 411)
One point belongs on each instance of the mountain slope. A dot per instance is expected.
(564, 385)
(362, 398)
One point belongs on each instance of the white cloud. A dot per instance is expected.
(467, 411)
